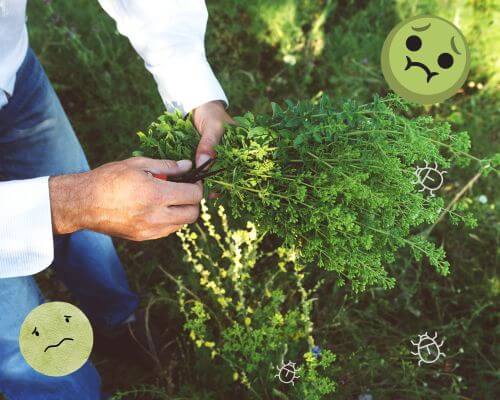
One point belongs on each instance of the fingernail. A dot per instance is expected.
(201, 159)
(184, 164)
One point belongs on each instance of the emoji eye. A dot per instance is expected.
(445, 60)
(413, 43)
(67, 317)
(35, 332)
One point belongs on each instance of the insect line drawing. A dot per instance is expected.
(287, 373)
(425, 342)
(431, 175)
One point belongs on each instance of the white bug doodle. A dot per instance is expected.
(433, 350)
(287, 373)
(431, 175)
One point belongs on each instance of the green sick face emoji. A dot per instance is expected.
(425, 59)
(56, 339)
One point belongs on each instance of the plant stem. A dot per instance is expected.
(455, 199)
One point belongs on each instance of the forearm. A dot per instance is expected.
(69, 199)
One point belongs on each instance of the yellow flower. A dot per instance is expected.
(222, 301)
(198, 268)
(248, 321)
(211, 285)
(309, 357)
(193, 236)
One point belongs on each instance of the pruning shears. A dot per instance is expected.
(192, 176)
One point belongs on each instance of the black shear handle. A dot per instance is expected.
(195, 174)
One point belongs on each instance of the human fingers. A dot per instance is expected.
(160, 166)
(180, 193)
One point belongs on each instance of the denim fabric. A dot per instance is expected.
(36, 139)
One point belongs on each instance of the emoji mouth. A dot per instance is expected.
(57, 345)
(410, 63)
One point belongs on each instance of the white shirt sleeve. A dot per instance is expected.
(169, 35)
(26, 241)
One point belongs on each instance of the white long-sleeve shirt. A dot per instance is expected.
(169, 36)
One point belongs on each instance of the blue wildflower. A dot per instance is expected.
(316, 351)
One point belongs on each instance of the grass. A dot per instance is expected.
(264, 51)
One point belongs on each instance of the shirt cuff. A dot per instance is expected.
(188, 84)
(26, 240)
(3, 99)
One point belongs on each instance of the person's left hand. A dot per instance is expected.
(209, 120)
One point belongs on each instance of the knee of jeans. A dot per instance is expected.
(15, 374)
(19, 296)
(12, 363)
(18, 381)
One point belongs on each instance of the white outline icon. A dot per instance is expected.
(421, 180)
(430, 342)
(290, 372)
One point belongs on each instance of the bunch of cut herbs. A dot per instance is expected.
(336, 184)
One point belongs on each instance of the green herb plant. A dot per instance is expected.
(336, 185)
(250, 310)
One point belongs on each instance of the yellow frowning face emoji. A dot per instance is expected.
(425, 59)
(56, 339)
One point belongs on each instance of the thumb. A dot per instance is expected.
(162, 167)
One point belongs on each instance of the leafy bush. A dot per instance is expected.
(335, 185)
(250, 309)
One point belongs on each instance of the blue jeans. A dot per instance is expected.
(36, 139)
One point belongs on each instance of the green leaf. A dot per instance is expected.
(277, 111)
(299, 140)
(243, 122)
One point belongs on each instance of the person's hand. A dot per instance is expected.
(123, 199)
(209, 120)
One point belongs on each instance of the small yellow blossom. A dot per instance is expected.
(193, 236)
(198, 268)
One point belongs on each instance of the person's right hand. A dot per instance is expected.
(123, 199)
